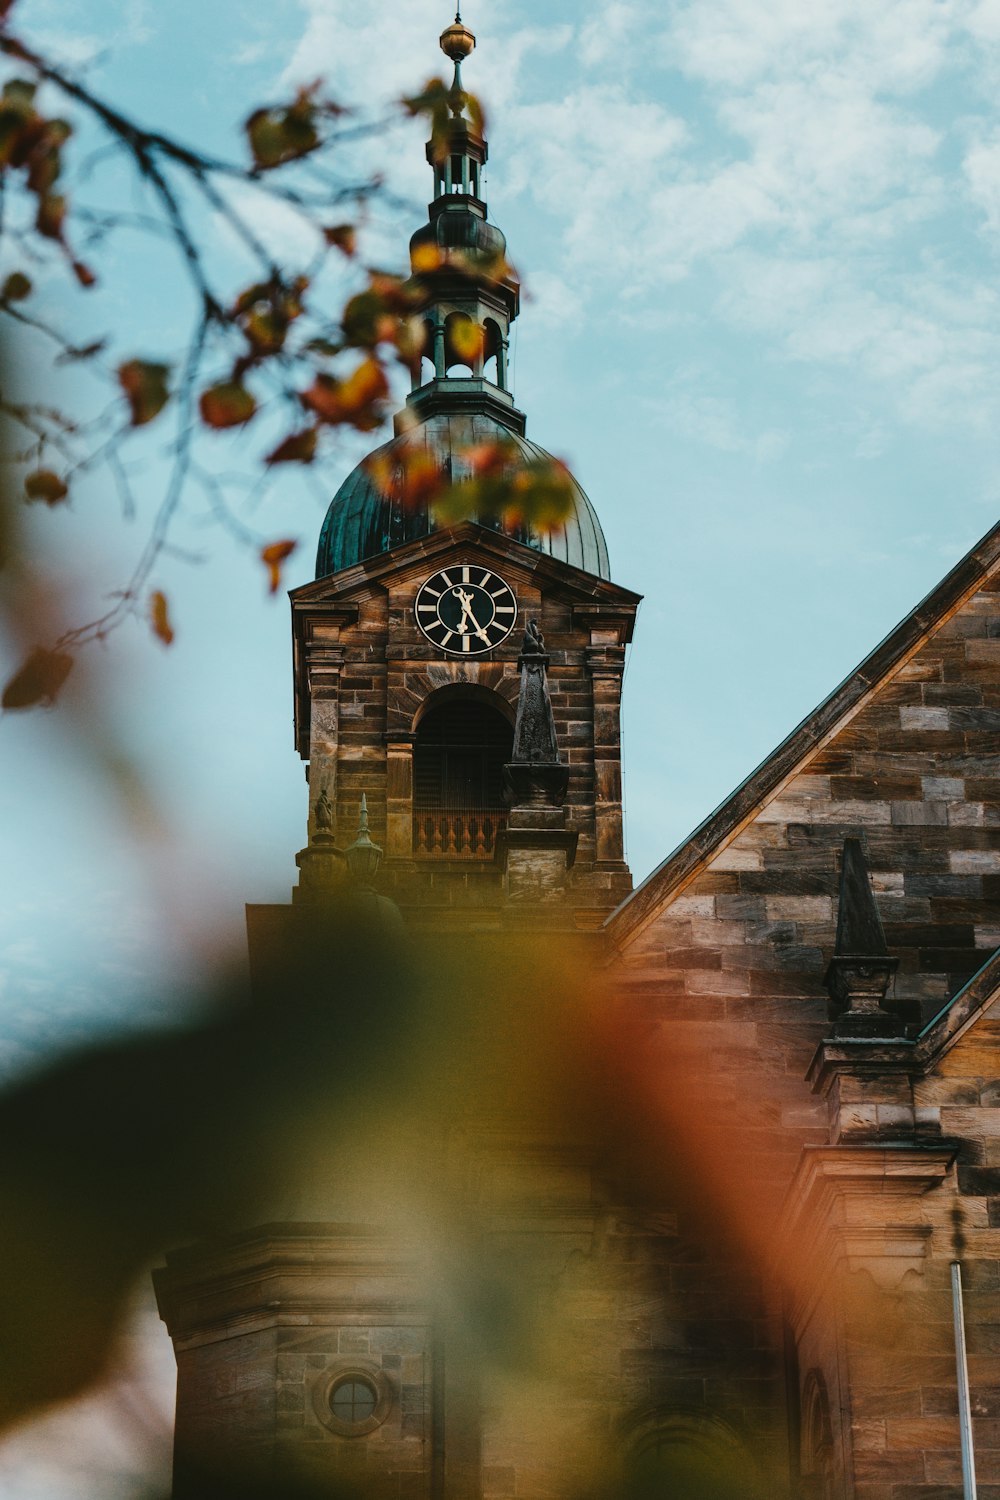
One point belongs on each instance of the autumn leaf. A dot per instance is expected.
(373, 316)
(266, 310)
(228, 404)
(434, 103)
(343, 237)
(426, 258)
(281, 133)
(159, 617)
(51, 216)
(353, 400)
(145, 387)
(466, 339)
(43, 484)
(503, 487)
(274, 556)
(38, 680)
(297, 448)
(16, 287)
(84, 275)
(414, 478)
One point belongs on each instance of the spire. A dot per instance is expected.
(363, 856)
(536, 774)
(859, 926)
(457, 43)
(460, 261)
(861, 969)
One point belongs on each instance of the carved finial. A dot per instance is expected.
(861, 969)
(457, 41)
(363, 857)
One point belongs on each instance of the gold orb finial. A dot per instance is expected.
(457, 41)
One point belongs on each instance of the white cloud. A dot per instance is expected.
(606, 35)
(806, 160)
(714, 421)
(982, 172)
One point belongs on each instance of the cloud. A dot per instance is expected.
(607, 34)
(982, 174)
(794, 172)
(700, 416)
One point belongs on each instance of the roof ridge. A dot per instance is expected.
(847, 698)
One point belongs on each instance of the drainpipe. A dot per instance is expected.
(964, 1405)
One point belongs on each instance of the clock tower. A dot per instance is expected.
(457, 686)
(410, 647)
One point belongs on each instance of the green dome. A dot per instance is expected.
(364, 522)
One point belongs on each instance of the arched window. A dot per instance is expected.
(461, 747)
(817, 1439)
(493, 354)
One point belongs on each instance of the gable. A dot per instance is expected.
(907, 742)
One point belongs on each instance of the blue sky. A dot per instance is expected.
(759, 241)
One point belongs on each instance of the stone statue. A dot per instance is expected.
(324, 814)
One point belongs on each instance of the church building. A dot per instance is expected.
(793, 1288)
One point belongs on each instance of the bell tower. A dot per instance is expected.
(410, 646)
(457, 686)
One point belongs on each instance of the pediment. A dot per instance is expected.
(411, 560)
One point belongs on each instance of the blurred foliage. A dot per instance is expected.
(258, 359)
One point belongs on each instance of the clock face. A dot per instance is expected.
(466, 610)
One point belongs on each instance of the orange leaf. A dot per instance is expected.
(297, 448)
(424, 258)
(228, 404)
(354, 400)
(50, 216)
(414, 479)
(273, 557)
(466, 339)
(44, 485)
(145, 387)
(37, 680)
(344, 237)
(84, 275)
(159, 617)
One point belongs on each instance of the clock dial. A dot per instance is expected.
(466, 610)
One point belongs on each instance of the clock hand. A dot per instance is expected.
(467, 613)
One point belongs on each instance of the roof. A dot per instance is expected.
(363, 521)
(787, 760)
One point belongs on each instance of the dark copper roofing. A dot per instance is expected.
(364, 522)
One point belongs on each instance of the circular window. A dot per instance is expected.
(351, 1402)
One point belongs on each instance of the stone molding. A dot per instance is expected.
(858, 1208)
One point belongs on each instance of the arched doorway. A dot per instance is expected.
(689, 1456)
(462, 744)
